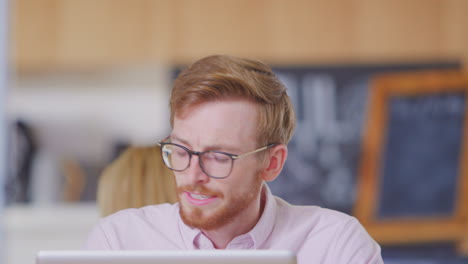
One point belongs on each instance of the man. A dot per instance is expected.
(231, 121)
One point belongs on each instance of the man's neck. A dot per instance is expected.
(240, 225)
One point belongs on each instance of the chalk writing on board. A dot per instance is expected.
(421, 155)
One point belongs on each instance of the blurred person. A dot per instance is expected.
(231, 121)
(138, 177)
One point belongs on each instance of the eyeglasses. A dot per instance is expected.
(215, 164)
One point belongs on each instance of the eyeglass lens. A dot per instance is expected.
(213, 163)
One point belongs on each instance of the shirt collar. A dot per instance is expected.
(187, 233)
(258, 235)
(264, 226)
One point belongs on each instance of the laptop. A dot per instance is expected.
(167, 257)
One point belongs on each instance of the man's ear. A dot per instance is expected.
(274, 162)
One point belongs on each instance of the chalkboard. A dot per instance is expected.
(421, 155)
(413, 179)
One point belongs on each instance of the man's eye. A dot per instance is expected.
(213, 156)
(181, 153)
(221, 158)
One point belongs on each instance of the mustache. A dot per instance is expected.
(198, 189)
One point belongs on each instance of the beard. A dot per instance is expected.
(226, 212)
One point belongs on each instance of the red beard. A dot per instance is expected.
(225, 212)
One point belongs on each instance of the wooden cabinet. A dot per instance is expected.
(33, 33)
(76, 34)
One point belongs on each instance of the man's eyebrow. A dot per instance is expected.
(224, 148)
(218, 147)
(172, 136)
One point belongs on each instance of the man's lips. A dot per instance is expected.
(199, 199)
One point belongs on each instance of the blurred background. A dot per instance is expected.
(88, 78)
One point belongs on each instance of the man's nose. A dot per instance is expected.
(194, 172)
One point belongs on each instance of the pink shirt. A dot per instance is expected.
(315, 234)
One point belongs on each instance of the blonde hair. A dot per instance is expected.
(223, 77)
(136, 178)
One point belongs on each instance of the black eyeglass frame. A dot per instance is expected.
(199, 153)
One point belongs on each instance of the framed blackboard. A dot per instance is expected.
(413, 182)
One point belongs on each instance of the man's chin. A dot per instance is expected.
(201, 219)
(220, 213)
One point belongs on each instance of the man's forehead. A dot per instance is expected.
(209, 138)
(226, 110)
(225, 124)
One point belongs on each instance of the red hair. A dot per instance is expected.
(224, 77)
